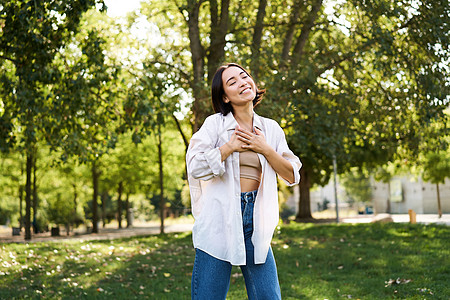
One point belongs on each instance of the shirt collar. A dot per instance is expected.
(230, 122)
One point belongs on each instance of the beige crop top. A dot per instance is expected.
(249, 164)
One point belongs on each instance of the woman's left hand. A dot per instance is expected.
(253, 141)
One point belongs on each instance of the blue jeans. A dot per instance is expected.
(211, 276)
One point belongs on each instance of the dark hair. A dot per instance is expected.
(217, 91)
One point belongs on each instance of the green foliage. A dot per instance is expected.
(369, 86)
(86, 103)
(32, 34)
(11, 177)
(437, 167)
(368, 81)
(357, 186)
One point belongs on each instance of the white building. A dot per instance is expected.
(397, 197)
(404, 193)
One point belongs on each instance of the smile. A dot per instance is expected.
(245, 90)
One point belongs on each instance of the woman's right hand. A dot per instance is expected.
(236, 144)
(233, 145)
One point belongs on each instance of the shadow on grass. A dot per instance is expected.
(356, 261)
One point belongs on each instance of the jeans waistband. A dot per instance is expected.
(249, 197)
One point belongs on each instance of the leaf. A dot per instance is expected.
(397, 281)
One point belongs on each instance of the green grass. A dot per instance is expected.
(314, 262)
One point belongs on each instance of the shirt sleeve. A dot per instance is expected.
(203, 158)
(285, 152)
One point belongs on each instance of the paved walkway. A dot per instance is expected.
(103, 234)
(153, 228)
(402, 218)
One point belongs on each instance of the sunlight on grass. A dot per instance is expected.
(329, 261)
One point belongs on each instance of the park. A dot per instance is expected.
(99, 100)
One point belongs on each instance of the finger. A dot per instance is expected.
(244, 130)
(244, 134)
(242, 139)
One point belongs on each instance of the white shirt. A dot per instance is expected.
(216, 192)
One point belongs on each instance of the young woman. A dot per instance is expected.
(232, 163)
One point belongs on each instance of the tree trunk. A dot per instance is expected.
(20, 206)
(218, 32)
(388, 209)
(95, 176)
(304, 205)
(28, 196)
(127, 212)
(257, 36)
(21, 221)
(36, 229)
(104, 200)
(439, 201)
(199, 106)
(119, 204)
(161, 181)
(74, 215)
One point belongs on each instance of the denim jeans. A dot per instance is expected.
(211, 276)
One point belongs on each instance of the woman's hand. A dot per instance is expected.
(236, 144)
(253, 141)
(233, 145)
(257, 142)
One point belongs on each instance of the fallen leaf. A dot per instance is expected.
(396, 281)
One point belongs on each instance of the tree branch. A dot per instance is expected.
(186, 142)
(257, 36)
(291, 30)
(8, 58)
(303, 38)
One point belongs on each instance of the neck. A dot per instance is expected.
(244, 116)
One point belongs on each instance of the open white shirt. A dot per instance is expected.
(216, 192)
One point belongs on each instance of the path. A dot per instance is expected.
(103, 234)
(153, 228)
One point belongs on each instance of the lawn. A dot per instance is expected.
(326, 261)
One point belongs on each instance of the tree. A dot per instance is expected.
(32, 34)
(145, 112)
(357, 186)
(435, 157)
(436, 169)
(352, 83)
(87, 108)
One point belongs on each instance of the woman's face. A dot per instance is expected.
(240, 89)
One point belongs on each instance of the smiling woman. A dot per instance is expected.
(232, 163)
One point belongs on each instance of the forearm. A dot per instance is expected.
(281, 165)
(225, 151)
